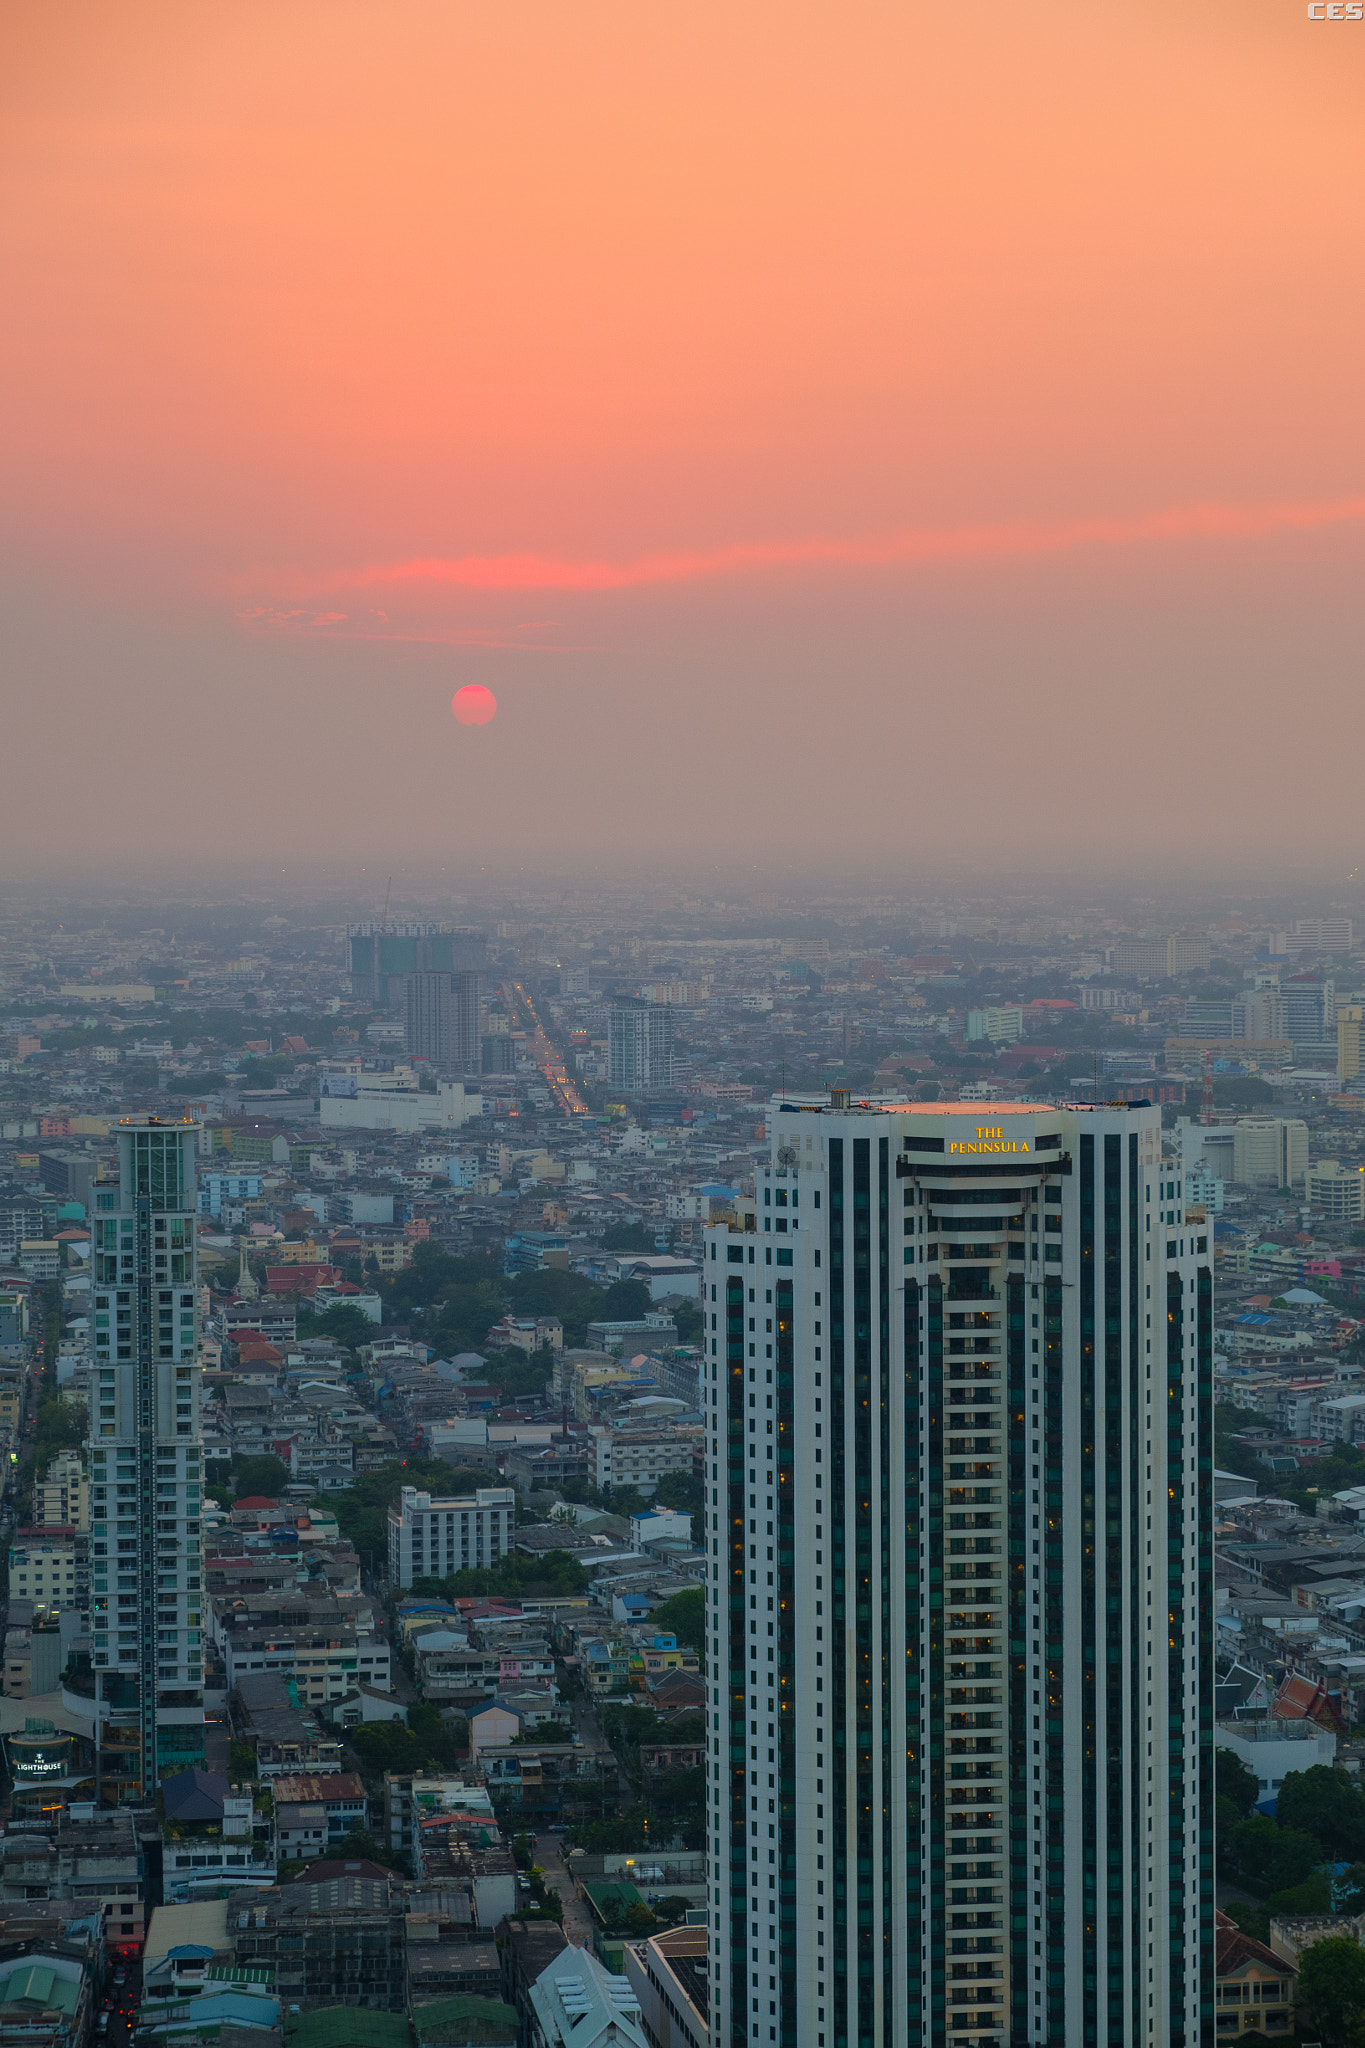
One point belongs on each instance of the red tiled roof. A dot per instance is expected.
(1234, 1950)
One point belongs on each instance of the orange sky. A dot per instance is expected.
(783, 360)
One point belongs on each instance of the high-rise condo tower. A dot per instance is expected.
(146, 1571)
(958, 1524)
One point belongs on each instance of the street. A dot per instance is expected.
(577, 1919)
(123, 2001)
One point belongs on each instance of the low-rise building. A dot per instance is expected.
(326, 1663)
(47, 1999)
(430, 1537)
(212, 1836)
(286, 1741)
(44, 1568)
(576, 2002)
(669, 1974)
(1255, 1987)
(339, 1796)
(335, 1943)
(62, 1499)
(641, 1457)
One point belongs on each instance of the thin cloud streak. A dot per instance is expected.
(914, 546)
(268, 622)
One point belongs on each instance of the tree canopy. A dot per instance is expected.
(1327, 1804)
(427, 1743)
(266, 1475)
(558, 1571)
(1331, 1989)
(626, 1301)
(683, 1491)
(1234, 1781)
(684, 1615)
(1266, 1857)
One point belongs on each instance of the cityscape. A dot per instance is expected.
(709, 1463)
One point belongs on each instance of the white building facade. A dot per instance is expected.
(428, 1539)
(959, 1388)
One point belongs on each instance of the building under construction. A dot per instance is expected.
(381, 955)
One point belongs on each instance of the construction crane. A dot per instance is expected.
(1206, 1095)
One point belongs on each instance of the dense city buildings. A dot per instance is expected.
(960, 1368)
(439, 1438)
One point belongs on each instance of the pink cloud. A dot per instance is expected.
(912, 546)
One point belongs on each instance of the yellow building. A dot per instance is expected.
(43, 1569)
(392, 1256)
(303, 1252)
(1255, 1987)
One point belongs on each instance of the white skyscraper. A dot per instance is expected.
(145, 1466)
(639, 1045)
(959, 1385)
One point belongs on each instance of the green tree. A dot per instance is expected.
(265, 1475)
(427, 1743)
(1267, 1858)
(1328, 1805)
(1331, 1989)
(626, 1301)
(621, 1835)
(241, 1760)
(638, 1921)
(522, 1374)
(362, 1507)
(1314, 1895)
(683, 1491)
(684, 1615)
(445, 1739)
(386, 1746)
(61, 1425)
(548, 1731)
(623, 1500)
(523, 1850)
(345, 1325)
(690, 1321)
(672, 1909)
(359, 1842)
(461, 1320)
(549, 1292)
(628, 1237)
(1244, 1091)
(1251, 1915)
(1234, 1781)
(514, 1575)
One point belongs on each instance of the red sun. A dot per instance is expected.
(474, 705)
